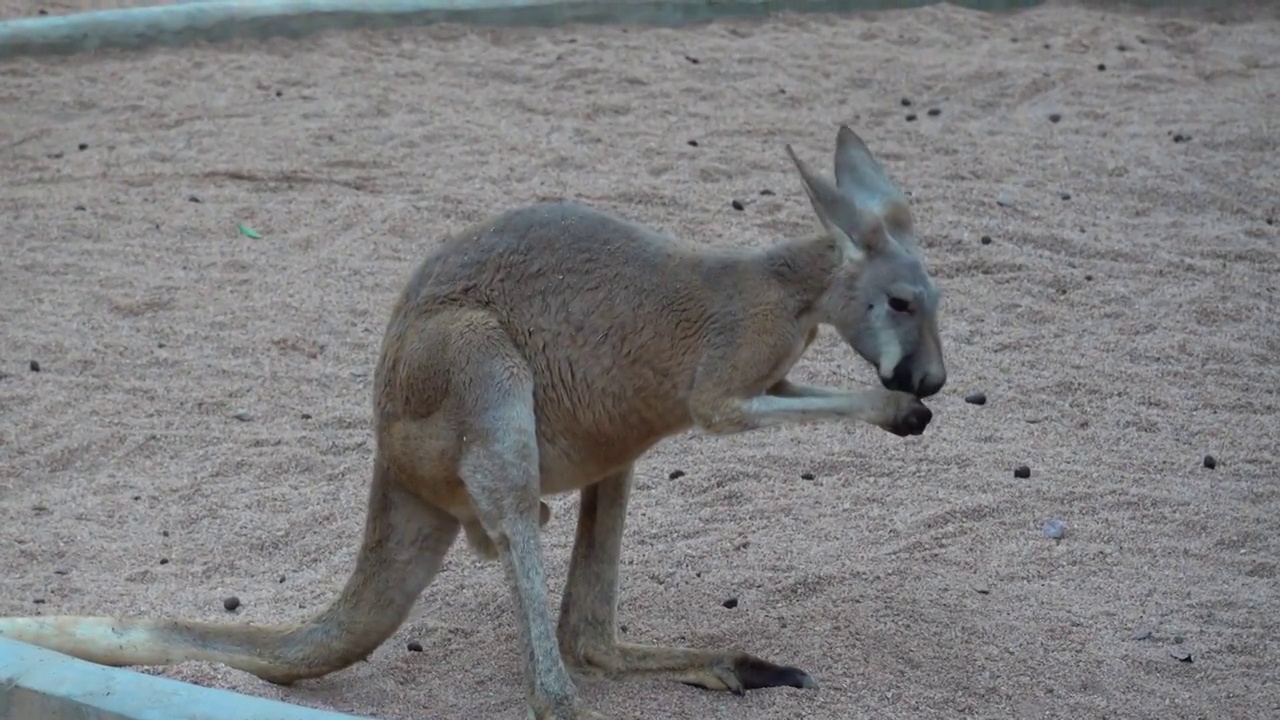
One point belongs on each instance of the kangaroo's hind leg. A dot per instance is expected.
(493, 392)
(587, 632)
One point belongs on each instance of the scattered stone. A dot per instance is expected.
(693, 143)
(1122, 47)
(1142, 633)
(675, 474)
(731, 603)
(280, 579)
(934, 112)
(986, 240)
(38, 601)
(231, 603)
(981, 588)
(83, 147)
(1178, 639)
(1210, 462)
(61, 571)
(81, 208)
(911, 117)
(1005, 199)
(906, 102)
(1088, 278)
(1055, 529)
(976, 398)
(1271, 221)
(279, 93)
(767, 192)
(692, 59)
(1055, 117)
(305, 416)
(414, 646)
(1066, 196)
(1180, 138)
(1102, 67)
(737, 205)
(193, 198)
(806, 476)
(161, 345)
(1022, 472)
(242, 415)
(165, 533)
(1181, 655)
(34, 365)
(164, 561)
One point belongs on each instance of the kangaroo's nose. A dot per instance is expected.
(904, 380)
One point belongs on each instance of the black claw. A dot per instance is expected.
(755, 673)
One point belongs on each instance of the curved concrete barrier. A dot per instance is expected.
(214, 20)
(39, 684)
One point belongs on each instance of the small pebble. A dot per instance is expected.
(1005, 199)
(280, 579)
(981, 588)
(1180, 138)
(193, 198)
(1142, 633)
(1066, 196)
(1088, 278)
(165, 533)
(1022, 471)
(1178, 639)
(83, 146)
(279, 93)
(1210, 462)
(731, 603)
(1180, 655)
(242, 415)
(38, 601)
(986, 240)
(911, 117)
(934, 112)
(305, 416)
(1054, 117)
(906, 102)
(806, 476)
(737, 205)
(34, 365)
(1101, 67)
(691, 59)
(693, 143)
(976, 398)
(414, 646)
(231, 603)
(164, 561)
(1055, 529)
(675, 474)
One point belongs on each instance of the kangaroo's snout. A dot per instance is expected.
(908, 377)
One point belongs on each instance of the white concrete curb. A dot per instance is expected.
(39, 684)
(213, 20)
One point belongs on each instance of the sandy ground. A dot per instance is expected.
(1120, 334)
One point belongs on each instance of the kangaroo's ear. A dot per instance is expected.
(838, 214)
(861, 179)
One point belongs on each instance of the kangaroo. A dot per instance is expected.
(545, 350)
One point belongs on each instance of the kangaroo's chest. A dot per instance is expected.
(787, 357)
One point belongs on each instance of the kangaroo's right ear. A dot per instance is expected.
(857, 234)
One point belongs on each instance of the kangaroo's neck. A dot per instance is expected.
(803, 269)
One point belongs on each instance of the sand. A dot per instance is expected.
(200, 424)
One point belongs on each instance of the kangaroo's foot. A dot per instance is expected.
(735, 672)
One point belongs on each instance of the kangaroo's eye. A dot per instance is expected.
(899, 305)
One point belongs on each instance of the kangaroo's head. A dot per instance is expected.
(881, 301)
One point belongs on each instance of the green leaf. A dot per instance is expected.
(247, 231)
